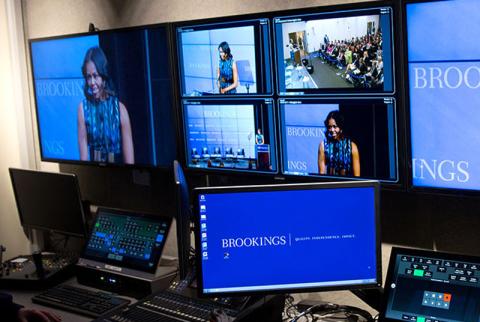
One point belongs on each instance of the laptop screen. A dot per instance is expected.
(280, 238)
(427, 286)
(127, 239)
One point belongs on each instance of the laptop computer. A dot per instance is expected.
(429, 286)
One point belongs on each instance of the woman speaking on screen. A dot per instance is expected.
(104, 130)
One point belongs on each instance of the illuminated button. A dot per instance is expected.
(447, 297)
(418, 272)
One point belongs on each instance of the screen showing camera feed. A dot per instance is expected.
(444, 94)
(230, 134)
(349, 51)
(225, 58)
(105, 98)
(352, 138)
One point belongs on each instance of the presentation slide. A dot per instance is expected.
(444, 82)
(98, 98)
(339, 138)
(230, 134)
(343, 52)
(285, 240)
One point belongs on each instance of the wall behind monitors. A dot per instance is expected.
(348, 52)
(365, 133)
(230, 134)
(248, 42)
(444, 81)
(114, 106)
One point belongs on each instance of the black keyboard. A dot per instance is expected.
(80, 300)
(167, 306)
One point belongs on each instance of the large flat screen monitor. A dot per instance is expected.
(287, 238)
(424, 285)
(225, 58)
(105, 98)
(349, 52)
(444, 82)
(49, 201)
(339, 138)
(230, 134)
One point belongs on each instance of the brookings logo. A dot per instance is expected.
(254, 241)
(444, 170)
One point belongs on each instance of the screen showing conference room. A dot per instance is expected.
(339, 52)
(225, 58)
(104, 98)
(230, 134)
(444, 82)
(339, 138)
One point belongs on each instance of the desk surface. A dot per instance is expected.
(23, 297)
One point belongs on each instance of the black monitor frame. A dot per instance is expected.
(68, 178)
(331, 100)
(264, 69)
(339, 11)
(410, 187)
(285, 187)
(171, 93)
(183, 219)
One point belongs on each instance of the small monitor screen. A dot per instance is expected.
(429, 286)
(339, 138)
(49, 201)
(335, 52)
(444, 84)
(105, 98)
(230, 134)
(278, 239)
(225, 58)
(127, 239)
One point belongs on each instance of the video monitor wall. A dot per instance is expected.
(105, 98)
(347, 52)
(339, 137)
(444, 82)
(230, 134)
(225, 58)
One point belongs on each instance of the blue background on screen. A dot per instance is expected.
(223, 126)
(199, 52)
(59, 89)
(295, 214)
(444, 77)
(302, 131)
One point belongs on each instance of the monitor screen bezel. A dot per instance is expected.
(411, 187)
(231, 171)
(131, 213)
(167, 29)
(334, 10)
(414, 252)
(287, 187)
(306, 100)
(217, 23)
(74, 182)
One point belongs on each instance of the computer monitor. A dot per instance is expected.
(339, 138)
(183, 219)
(230, 135)
(343, 51)
(424, 285)
(287, 238)
(443, 83)
(225, 57)
(124, 239)
(105, 98)
(49, 201)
